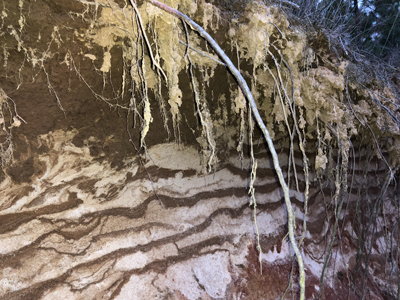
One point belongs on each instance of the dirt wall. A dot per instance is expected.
(126, 156)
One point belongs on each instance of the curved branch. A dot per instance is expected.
(247, 93)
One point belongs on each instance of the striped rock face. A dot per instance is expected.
(86, 230)
(107, 186)
(158, 228)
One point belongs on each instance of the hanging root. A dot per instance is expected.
(147, 118)
(154, 62)
(205, 120)
(253, 201)
(341, 190)
(9, 118)
(246, 91)
(290, 102)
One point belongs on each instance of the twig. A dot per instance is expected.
(290, 3)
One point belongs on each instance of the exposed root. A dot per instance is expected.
(147, 70)
(9, 119)
(340, 191)
(205, 120)
(291, 103)
(153, 60)
(253, 201)
(246, 91)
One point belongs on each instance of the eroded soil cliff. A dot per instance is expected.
(127, 153)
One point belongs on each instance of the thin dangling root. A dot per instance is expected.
(246, 91)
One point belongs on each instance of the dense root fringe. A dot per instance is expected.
(300, 88)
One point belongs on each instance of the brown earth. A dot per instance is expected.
(87, 213)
